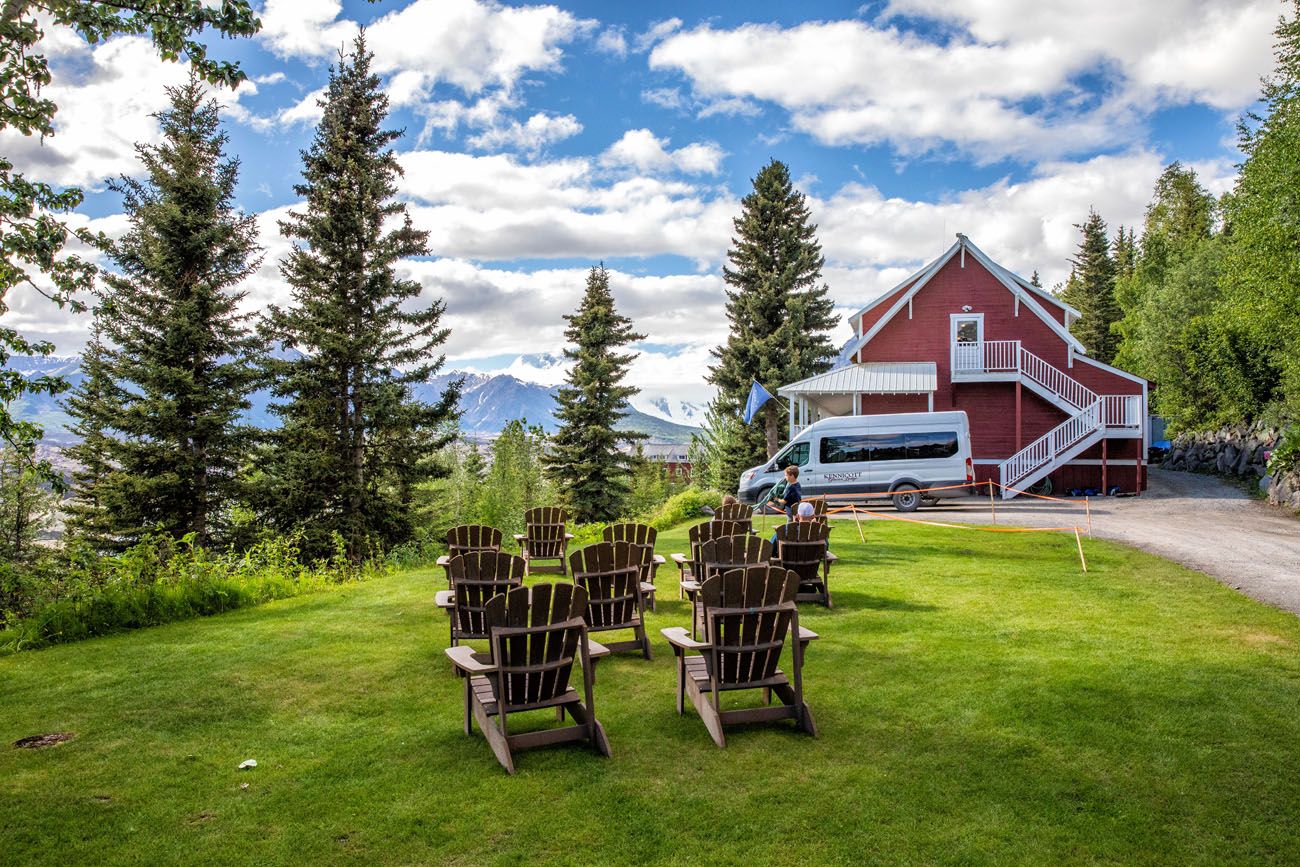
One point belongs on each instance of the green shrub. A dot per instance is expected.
(686, 506)
(1286, 454)
(74, 594)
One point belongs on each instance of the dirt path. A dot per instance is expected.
(1199, 521)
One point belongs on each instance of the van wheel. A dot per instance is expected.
(906, 498)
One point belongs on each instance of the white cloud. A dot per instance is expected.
(532, 135)
(305, 28)
(107, 95)
(643, 150)
(1005, 87)
(306, 111)
(656, 33)
(665, 97)
(730, 107)
(611, 41)
(1212, 51)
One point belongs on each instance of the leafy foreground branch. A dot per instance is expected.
(75, 593)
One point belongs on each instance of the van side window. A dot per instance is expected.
(796, 455)
(889, 447)
(931, 444)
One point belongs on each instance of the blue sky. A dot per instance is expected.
(544, 138)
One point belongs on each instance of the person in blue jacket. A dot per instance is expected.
(788, 500)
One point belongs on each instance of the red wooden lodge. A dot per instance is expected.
(964, 333)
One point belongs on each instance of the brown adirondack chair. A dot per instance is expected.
(748, 614)
(687, 564)
(819, 511)
(475, 578)
(537, 636)
(544, 538)
(464, 538)
(738, 512)
(610, 572)
(720, 555)
(643, 536)
(803, 548)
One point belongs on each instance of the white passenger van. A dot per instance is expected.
(874, 457)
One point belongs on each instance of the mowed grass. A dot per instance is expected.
(979, 699)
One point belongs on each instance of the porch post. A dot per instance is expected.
(791, 420)
(1018, 446)
(1103, 465)
(857, 403)
(929, 401)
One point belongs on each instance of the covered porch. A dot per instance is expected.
(840, 391)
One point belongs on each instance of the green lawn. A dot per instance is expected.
(979, 701)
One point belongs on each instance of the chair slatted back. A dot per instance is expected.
(544, 529)
(801, 547)
(819, 511)
(731, 552)
(537, 634)
(476, 578)
(637, 534)
(643, 536)
(738, 512)
(748, 613)
(701, 533)
(610, 573)
(465, 538)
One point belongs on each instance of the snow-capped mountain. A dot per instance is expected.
(487, 402)
(670, 409)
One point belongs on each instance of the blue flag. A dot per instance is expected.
(757, 397)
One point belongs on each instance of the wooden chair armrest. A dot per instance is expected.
(519, 537)
(807, 634)
(462, 656)
(690, 586)
(647, 588)
(679, 559)
(680, 637)
(444, 560)
(658, 559)
(596, 650)
(445, 599)
(831, 558)
(568, 535)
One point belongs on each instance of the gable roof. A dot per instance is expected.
(894, 377)
(1017, 286)
(1042, 293)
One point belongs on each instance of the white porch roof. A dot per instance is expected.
(891, 377)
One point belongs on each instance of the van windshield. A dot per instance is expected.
(795, 454)
(853, 448)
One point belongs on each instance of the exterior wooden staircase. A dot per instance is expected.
(1088, 415)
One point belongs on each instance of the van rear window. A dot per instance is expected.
(888, 447)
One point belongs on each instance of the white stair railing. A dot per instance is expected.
(1065, 387)
(1048, 448)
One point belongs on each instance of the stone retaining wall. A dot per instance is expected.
(1239, 451)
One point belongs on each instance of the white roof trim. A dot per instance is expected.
(1002, 275)
(1112, 369)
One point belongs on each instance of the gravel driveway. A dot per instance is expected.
(1199, 521)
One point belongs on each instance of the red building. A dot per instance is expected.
(965, 333)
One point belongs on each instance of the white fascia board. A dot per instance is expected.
(1002, 276)
(1115, 370)
(856, 318)
(922, 277)
(1042, 293)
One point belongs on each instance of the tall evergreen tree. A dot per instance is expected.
(33, 237)
(781, 318)
(93, 405)
(354, 441)
(1091, 290)
(181, 357)
(1263, 216)
(585, 462)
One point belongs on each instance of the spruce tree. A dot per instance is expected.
(585, 462)
(93, 405)
(1091, 290)
(354, 441)
(180, 358)
(781, 315)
